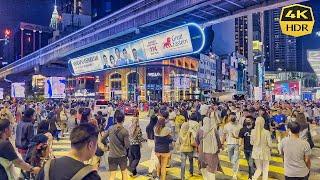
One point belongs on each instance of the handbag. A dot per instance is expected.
(309, 138)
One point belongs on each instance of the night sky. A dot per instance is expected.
(32, 11)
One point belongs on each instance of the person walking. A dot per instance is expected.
(151, 144)
(209, 143)
(118, 147)
(185, 145)
(245, 134)
(304, 133)
(163, 139)
(230, 135)
(84, 140)
(261, 151)
(296, 152)
(25, 131)
(136, 139)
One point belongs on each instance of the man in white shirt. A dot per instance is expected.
(230, 135)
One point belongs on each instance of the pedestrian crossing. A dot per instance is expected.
(276, 171)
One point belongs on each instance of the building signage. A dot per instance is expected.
(180, 41)
(154, 74)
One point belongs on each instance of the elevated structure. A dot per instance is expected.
(137, 20)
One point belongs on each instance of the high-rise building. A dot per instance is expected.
(280, 50)
(241, 35)
(79, 7)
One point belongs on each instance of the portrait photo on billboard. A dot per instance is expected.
(137, 52)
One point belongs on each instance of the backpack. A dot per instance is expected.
(83, 172)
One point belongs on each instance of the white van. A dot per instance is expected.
(100, 105)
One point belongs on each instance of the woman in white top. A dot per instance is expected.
(261, 152)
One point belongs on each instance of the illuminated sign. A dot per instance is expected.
(314, 61)
(55, 87)
(18, 90)
(1, 93)
(180, 41)
(154, 74)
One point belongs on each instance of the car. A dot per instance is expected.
(129, 109)
(101, 105)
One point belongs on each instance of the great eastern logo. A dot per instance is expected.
(296, 20)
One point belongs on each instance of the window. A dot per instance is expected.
(116, 85)
(115, 76)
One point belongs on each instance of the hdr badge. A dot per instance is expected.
(296, 20)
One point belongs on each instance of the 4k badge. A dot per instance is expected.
(296, 20)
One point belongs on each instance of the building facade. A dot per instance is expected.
(280, 49)
(168, 80)
(207, 73)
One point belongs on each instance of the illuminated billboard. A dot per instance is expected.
(18, 90)
(182, 40)
(1, 93)
(55, 87)
(287, 89)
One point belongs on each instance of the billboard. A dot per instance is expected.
(287, 89)
(233, 74)
(182, 40)
(1, 93)
(54, 87)
(18, 90)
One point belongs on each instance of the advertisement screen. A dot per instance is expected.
(314, 60)
(18, 90)
(179, 41)
(54, 87)
(287, 89)
(1, 93)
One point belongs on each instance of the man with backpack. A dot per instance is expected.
(83, 147)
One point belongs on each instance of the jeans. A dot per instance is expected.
(163, 161)
(262, 167)
(250, 161)
(184, 156)
(134, 158)
(233, 153)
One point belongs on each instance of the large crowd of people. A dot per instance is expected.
(198, 131)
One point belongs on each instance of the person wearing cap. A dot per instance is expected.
(8, 156)
(83, 140)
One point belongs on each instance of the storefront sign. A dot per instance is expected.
(154, 74)
(180, 41)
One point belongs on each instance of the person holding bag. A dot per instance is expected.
(209, 146)
(185, 145)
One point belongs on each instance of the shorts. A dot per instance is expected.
(115, 162)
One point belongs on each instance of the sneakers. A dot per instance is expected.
(234, 176)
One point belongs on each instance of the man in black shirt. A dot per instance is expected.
(83, 147)
(8, 154)
(245, 134)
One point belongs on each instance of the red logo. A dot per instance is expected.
(167, 43)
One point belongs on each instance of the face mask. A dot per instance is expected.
(233, 119)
